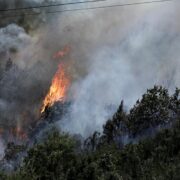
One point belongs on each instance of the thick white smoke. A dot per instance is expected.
(147, 54)
(13, 37)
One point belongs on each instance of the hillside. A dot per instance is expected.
(141, 144)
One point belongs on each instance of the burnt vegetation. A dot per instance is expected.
(143, 143)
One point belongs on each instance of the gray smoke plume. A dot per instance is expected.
(145, 55)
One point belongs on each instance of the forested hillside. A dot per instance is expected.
(143, 143)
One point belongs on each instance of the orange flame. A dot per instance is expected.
(57, 89)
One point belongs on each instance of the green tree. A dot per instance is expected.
(116, 127)
(51, 159)
(155, 108)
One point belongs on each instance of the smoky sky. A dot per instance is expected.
(116, 54)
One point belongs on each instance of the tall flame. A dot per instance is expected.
(57, 89)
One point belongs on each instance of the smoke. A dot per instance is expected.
(12, 38)
(2, 148)
(115, 54)
(145, 55)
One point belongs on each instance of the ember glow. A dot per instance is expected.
(18, 133)
(62, 53)
(58, 88)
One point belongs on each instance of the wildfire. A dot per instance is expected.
(59, 83)
(57, 89)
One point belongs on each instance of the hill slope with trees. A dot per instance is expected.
(143, 144)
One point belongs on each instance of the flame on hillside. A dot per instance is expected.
(59, 84)
(58, 89)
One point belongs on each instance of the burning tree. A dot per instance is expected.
(57, 89)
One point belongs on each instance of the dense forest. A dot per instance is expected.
(143, 143)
